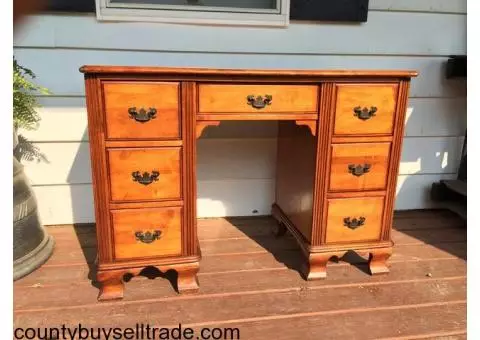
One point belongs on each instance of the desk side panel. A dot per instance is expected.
(295, 176)
(96, 131)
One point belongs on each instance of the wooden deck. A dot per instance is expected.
(250, 280)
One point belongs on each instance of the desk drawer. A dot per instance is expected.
(145, 174)
(363, 109)
(257, 98)
(354, 219)
(143, 233)
(142, 110)
(359, 166)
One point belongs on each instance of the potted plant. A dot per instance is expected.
(32, 246)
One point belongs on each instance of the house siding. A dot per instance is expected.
(236, 161)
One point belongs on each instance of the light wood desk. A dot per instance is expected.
(339, 145)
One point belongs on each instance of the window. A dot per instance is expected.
(236, 12)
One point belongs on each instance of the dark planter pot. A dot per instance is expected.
(32, 246)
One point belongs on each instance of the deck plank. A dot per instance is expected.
(448, 335)
(357, 324)
(55, 275)
(37, 296)
(261, 303)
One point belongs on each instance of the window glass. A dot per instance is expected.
(237, 4)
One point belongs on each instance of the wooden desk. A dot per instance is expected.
(339, 145)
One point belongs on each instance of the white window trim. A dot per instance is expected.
(195, 14)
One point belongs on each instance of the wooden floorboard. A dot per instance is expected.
(249, 279)
(452, 335)
(436, 266)
(257, 304)
(356, 324)
(60, 295)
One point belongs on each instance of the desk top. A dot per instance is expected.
(247, 72)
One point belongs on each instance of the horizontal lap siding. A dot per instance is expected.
(430, 6)
(236, 161)
(391, 33)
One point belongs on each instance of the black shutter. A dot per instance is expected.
(83, 6)
(311, 10)
(329, 10)
(457, 66)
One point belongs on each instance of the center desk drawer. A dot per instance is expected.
(359, 166)
(147, 110)
(257, 98)
(142, 233)
(145, 174)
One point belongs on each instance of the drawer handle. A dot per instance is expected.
(259, 102)
(353, 223)
(359, 170)
(142, 115)
(146, 178)
(364, 113)
(148, 237)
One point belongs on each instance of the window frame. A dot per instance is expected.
(194, 14)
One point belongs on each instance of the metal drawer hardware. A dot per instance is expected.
(142, 115)
(354, 223)
(364, 113)
(359, 170)
(259, 102)
(148, 237)
(146, 178)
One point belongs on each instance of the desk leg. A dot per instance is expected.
(187, 278)
(111, 285)
(377, 260)
(316, 269)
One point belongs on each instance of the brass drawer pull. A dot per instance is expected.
(148, 237)
(142, 115)
(259, 102)
(364, 113)
(146, 178)
(359, 170)
(353, 223)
